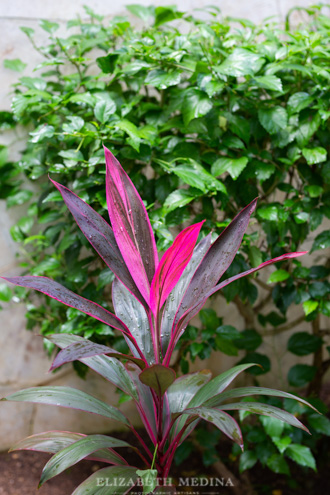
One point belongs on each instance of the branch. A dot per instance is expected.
(284, 328)
(246, 311)
(263, 284)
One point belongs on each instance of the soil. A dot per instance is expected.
(20, 474)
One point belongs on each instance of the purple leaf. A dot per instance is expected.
(184, 388)
(68, 397)
(172, 264)
(121, 481)
(173, 301)
(145, 403)
(190, 313)
(181, 392)
(131, 225)
(54, 441)
(85, 349)
(217, 385)
(99, 233)
(223, 421)
(133, 314)
(216, 261)
(77, 451)
(247, 391)
(158, 377)
(267, 410)
(111, 369)
(66, 296)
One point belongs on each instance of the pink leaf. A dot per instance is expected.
(82, 350)
(99, 233)
(131, 225)
(217, 259)
(66, 296)
(172, 264)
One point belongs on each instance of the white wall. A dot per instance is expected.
(22, 360)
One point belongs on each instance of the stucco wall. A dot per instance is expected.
(22, 360)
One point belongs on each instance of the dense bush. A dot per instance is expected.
(205, 116)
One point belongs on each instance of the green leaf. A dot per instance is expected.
(196, 176)
(263, 170)
(241, 62)
(25, 224)
(27, 30)
(107, 64)
(301, 454)
(304, 343)
(41, 132)
(234, 166)
(225, 346)
(177, 199)
(247, 460)
(158, 377)
(3, 154)
(105, 481)
(301, 374)
(314, 191)
(133, 132)
(310, 306)
(273, 119)
(228, 332)
(322, 241)
(211, 87)
(196, 104)
(161, 79)
(255, 256)
(77, 451)
(104, 109)
(209, 318)
(319, 423)
(49, 26)
(19, 198)
(282, 443)
(141, 11)
(314, 155)
(5, 293)
(273, 83)
(149, 479)
(268, 213)
(273, 426)
(75, 124)
(257, 358)
(299, 101)
(72, 155)
(166, 14)
(14, 64)
(250, 340)
(86, 98)
(67, 397)
(278, 276)
(278, 464)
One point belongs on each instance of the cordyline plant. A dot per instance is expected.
(154, 301)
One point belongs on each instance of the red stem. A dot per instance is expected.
(142, 442)
(171, 451)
